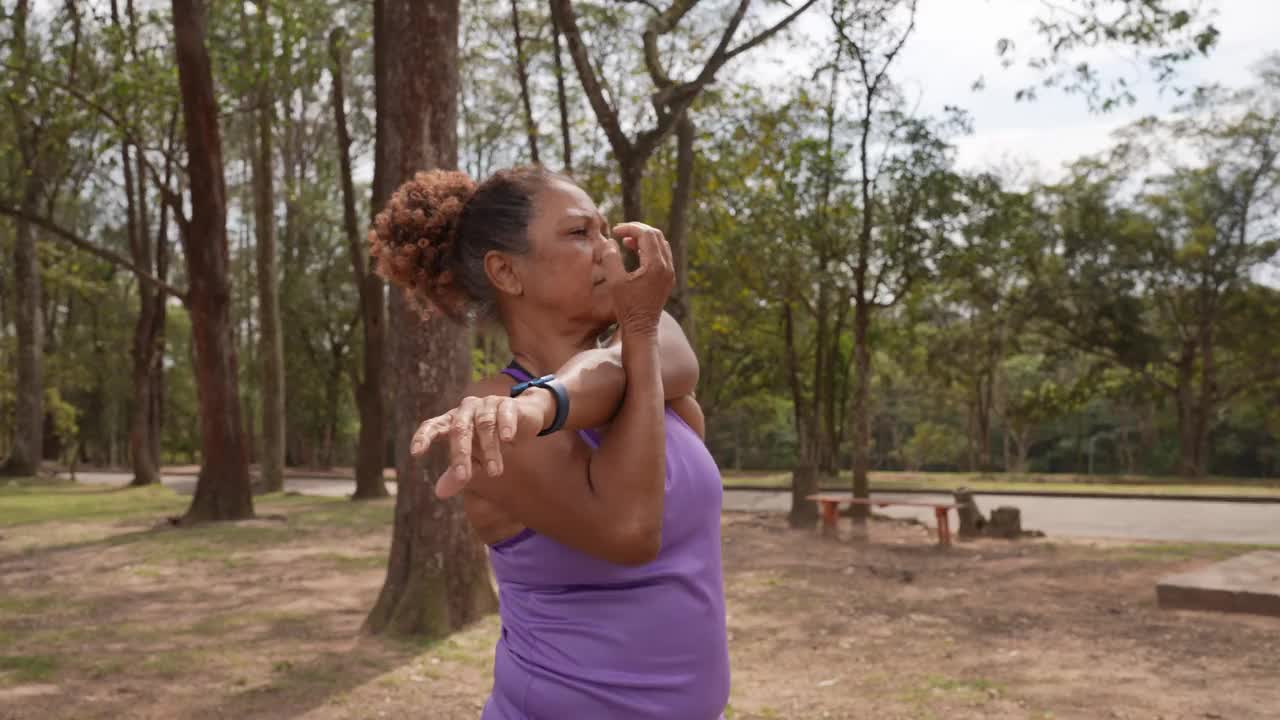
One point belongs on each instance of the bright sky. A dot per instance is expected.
(955, 44)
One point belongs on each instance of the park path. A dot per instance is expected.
(1177, 520)
(1181, 520)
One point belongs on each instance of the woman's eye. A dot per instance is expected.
(580, 231)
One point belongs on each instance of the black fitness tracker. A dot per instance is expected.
(548, 382)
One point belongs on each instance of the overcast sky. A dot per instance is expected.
(955, 44)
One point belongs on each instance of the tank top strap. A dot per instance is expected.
(519, 374)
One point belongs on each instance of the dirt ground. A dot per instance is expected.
(112, 618)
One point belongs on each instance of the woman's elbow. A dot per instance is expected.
(636, 543)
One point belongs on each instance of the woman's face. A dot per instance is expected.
(563, 271)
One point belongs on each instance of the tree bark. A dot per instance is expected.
(681, 305)
(861, 408)
(804, 479)
(522, 75)
(141, 430)
(28, 434)
(222, 488)
(270, 338)
(437, 575)
(369, 388)
(27, 449)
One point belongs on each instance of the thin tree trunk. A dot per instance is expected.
(369, 389)
(681, 305)
(861, 399)
(142, 430)
(561, 99)
(632, 187)
(804, 479)
(522, 74)
(222, 489)
(271, 342)
(437, 575)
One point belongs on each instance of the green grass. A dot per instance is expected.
(23, 503)
(353, 562)
(28, 668)
(1004, 482)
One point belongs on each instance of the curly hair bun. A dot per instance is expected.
(412, 240)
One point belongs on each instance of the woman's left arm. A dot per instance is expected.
(679, 363)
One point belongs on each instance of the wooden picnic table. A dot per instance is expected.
(831, 502)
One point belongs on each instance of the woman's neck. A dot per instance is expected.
(543, 350)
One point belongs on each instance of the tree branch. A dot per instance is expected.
(79, 242)
(562, 11)
(130, 136)
(764, 36)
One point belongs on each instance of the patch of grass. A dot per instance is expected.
(339, 513)
(28, 668)
(106, 668)
(1186, 551)
(26, 504)
(174, 663)
(20, 605)
(353, 562)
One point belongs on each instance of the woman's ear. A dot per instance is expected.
(502, 273)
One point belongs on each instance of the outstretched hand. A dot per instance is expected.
(485, 423)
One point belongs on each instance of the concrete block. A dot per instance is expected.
(1246, 584)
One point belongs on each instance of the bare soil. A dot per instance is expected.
(121, 619)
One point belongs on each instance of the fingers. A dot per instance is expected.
(449, 484)
(648, 242)
(508, 419)
(486, 424)
(460, 437)
(611, 260)
(428, 432)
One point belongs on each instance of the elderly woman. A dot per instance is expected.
(581, 465)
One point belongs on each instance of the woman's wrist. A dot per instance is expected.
(536, 408)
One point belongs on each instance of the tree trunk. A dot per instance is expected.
(804, 479)
(681, 305)
(369, 388)
(632, 188)
(522, 75)
(861, 398)
(222, 489)
(141, 427)
(561, 99)
(271, 342)
(437, 575)
(1191, 423)
(28, 431)
(28, 434)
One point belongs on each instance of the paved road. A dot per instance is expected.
(1184, 520)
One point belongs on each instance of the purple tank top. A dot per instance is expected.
(586, 639)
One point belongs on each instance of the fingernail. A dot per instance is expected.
(461, 471)
(492, 467)
(416, 448)
(508, 433)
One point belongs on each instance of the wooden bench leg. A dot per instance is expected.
(830, 517)
(944, 526)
